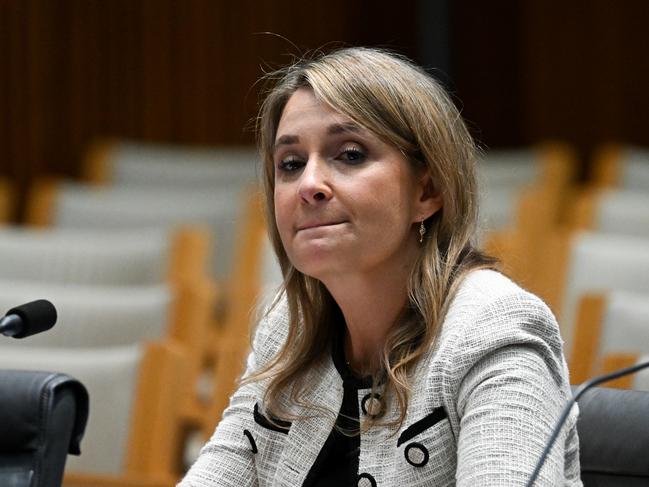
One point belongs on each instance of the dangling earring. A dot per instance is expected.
(422, 231)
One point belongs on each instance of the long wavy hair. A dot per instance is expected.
(400, 103)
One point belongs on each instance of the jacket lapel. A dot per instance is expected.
(308, 435)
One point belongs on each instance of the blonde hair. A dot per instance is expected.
(401, 104)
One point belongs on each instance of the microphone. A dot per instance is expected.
(566, 411)
(28, 319)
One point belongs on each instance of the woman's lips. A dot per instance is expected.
(314, 225)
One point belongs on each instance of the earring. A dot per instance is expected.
(422, 231)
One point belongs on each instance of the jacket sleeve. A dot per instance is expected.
(511, 384)
(227, 459)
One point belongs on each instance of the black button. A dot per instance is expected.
(416, 454)
(366, 480)
(372, 406)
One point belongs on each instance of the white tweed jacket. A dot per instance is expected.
(483, 403)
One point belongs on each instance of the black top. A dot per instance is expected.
(337, 462)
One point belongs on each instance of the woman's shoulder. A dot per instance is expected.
(490, 308)
(484, 288)
(485, 285)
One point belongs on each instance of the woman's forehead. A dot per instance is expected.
(304, 108)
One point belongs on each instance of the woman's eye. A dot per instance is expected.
(290, 164)
(353, 155)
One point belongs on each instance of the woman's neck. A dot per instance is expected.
(370, 306)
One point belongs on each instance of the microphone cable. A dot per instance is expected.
(568, 407)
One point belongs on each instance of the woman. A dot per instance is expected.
(395, 355)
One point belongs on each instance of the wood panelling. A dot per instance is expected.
(185, 71)
(160, 70)
(528, 71)
(485, 63)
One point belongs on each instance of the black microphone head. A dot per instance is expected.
(37, 316)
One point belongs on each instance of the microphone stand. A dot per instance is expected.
(566, 411)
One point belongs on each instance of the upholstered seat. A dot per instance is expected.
(75, 206)
(101, 256)
(588, 262)
(615, 211)
(136, 163)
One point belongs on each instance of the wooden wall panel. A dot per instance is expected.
(485, 63)
(161, 70)
(185, 71)
(527, 71)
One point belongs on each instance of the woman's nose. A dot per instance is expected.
(314, 182)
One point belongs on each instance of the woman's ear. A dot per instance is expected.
(430, 199)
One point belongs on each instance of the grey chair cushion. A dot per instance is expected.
(614, 437)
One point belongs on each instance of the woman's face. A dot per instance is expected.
(345, 202)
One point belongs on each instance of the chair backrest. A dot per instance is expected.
(43, 416)
(138, 164)
(613, 438)
(550, 164)
(92, 316)
(504, 174)
(96, 257)
(77, 206)
(135, 396)
(612, 211)
(522, 193)
(581, 263)
(615, 321)
(255, 276)
(620, 166)
(100, 316)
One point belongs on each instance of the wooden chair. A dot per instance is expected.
(232, 339)
(523, 197)
(577, 263)
(621, 166)
(69, 205)
(609, 322)
(95, 316)
(616, 361)
(133, 428)
(610, 211)
(549, 164)
(111, 270)
(520, 246)
(103, 257)
(141, 164)
(102, 316)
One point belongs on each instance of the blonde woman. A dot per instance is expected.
(395, 354)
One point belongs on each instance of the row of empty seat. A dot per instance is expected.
(585, 249)
(155, 281)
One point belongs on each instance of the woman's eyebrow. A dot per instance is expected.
(286, 140)
(339, 128)
(334, 129)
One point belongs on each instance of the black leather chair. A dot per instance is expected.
(43, 416)
(613, 431)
